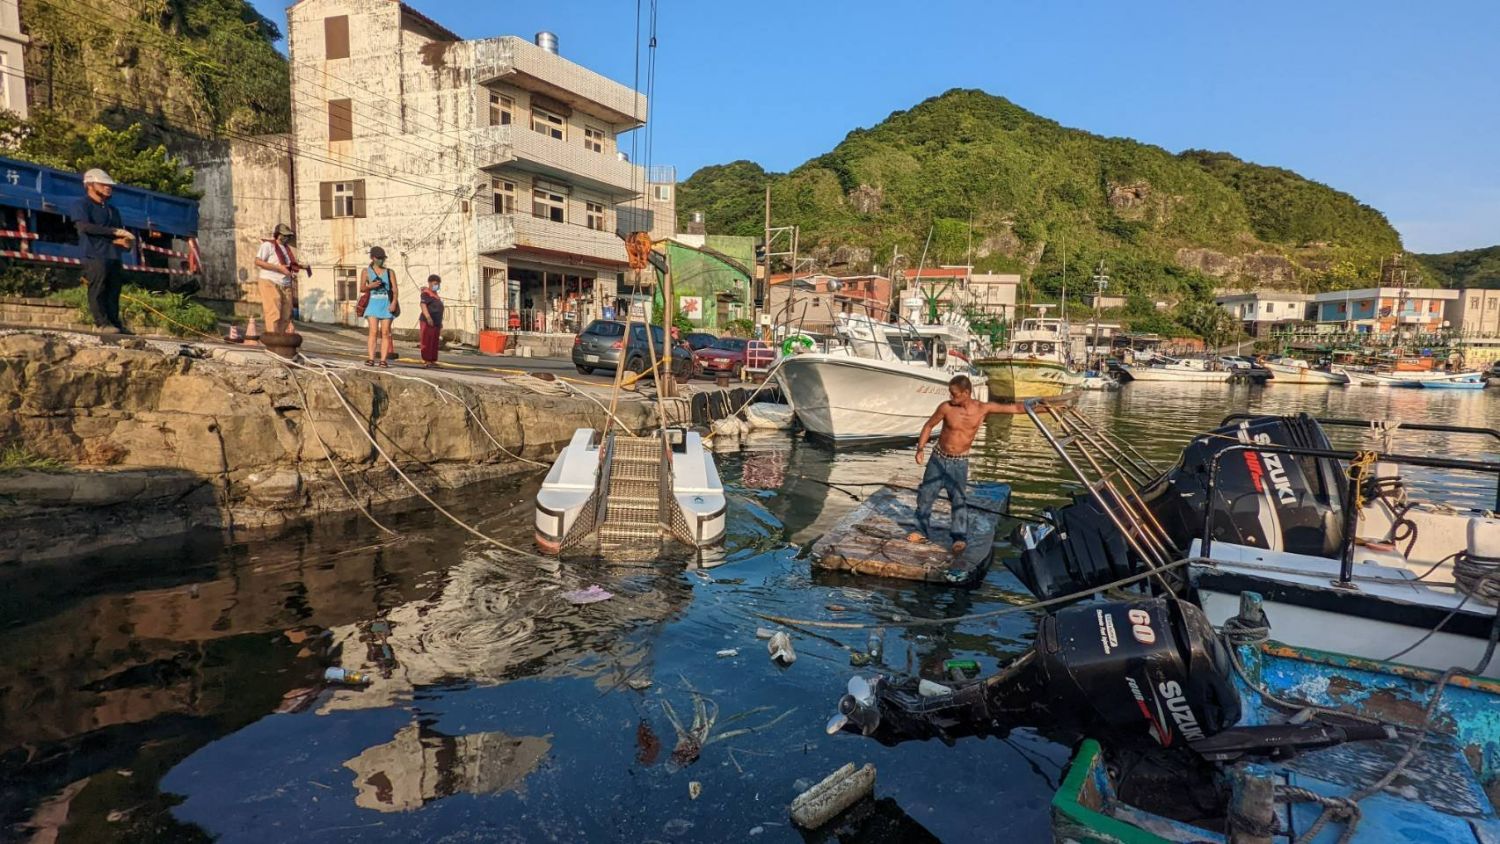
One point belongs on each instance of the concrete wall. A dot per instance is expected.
(37, 313)
(246, 187)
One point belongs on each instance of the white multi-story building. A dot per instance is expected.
(492, 163)
(1261, 310)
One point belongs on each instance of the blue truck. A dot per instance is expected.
(36, 226)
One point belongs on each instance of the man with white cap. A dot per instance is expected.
(103, 236)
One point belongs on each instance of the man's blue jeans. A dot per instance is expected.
(952, 474)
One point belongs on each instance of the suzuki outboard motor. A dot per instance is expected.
(1149, 670)
(1149, 673)
(1273, 501)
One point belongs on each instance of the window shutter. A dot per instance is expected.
(336, 37)
(325, 200)
(359, 197)
(340, 120)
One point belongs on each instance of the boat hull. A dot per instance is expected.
(1181, 376)
(1018, 380)
(1282, 374)
(850, 399)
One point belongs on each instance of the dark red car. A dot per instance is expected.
(727, 355)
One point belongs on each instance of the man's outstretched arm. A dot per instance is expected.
(932, 422)
(1003, 407)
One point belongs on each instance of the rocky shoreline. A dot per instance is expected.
(160, 440)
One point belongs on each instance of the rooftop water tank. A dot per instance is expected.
(547, 41)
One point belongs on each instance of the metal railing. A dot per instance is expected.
(1098, 448)
(1351, 492)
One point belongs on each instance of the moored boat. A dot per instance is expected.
(610, 488)
(1182, 370)
(1036, 362)
(871, 382)
(1266, 504)
(1297, 371)
(1460, 381)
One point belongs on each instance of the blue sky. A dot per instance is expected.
(1397, 103)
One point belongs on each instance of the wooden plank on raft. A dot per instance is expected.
(871, 539)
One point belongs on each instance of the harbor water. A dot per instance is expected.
(178, 692)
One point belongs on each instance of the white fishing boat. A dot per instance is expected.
(612, 488)
(1383, 612)
(1182, 370)
(1094, 380)
(1297, 371)
(1261, 505)
(870, 381)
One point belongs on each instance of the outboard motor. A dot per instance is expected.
(1274, 501)
(1148, 674)
(1150, 670)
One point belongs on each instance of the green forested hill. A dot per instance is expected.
(180, 68)
(1018, 191)
(1469, 268)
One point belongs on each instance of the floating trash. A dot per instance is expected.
(837, 792)
(592, 595)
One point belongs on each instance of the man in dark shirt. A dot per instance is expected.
(103, 236)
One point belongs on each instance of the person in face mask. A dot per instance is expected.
(431, 320)
(380, 283)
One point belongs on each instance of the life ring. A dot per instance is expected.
(795, 344)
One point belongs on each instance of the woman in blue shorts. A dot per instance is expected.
(380, 283)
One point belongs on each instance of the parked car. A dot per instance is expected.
(602, 346)
(1236, 362)
(701, 340)
(726, 355)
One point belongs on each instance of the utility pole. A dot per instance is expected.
(1101, 283)
(770, 252)
(764, 281)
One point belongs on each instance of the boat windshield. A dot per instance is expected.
(908, 348)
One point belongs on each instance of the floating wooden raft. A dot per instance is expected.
(872, 538)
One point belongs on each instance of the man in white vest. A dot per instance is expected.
(278, 279)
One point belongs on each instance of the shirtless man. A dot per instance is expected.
(960, 417)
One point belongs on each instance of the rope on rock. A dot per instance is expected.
(354, 416)
(328, 453)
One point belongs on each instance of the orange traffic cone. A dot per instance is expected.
(234, 334)
(252, 333)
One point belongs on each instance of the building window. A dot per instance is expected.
(340, 120)
(341, 199)
(505, 196)
(595, 214)
(1494, 302)
(1473, 303)
(501, 109)
(549, 205)
(336, 37)
(661, 193)
(593, 139)
(346, 283)
(1270, 306)
(549, 124)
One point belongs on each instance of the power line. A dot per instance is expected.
(414, 144)
(210, 131)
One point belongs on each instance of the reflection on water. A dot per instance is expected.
(173, 692)
(420, 765)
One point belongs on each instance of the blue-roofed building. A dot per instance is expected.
(1382, 309)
